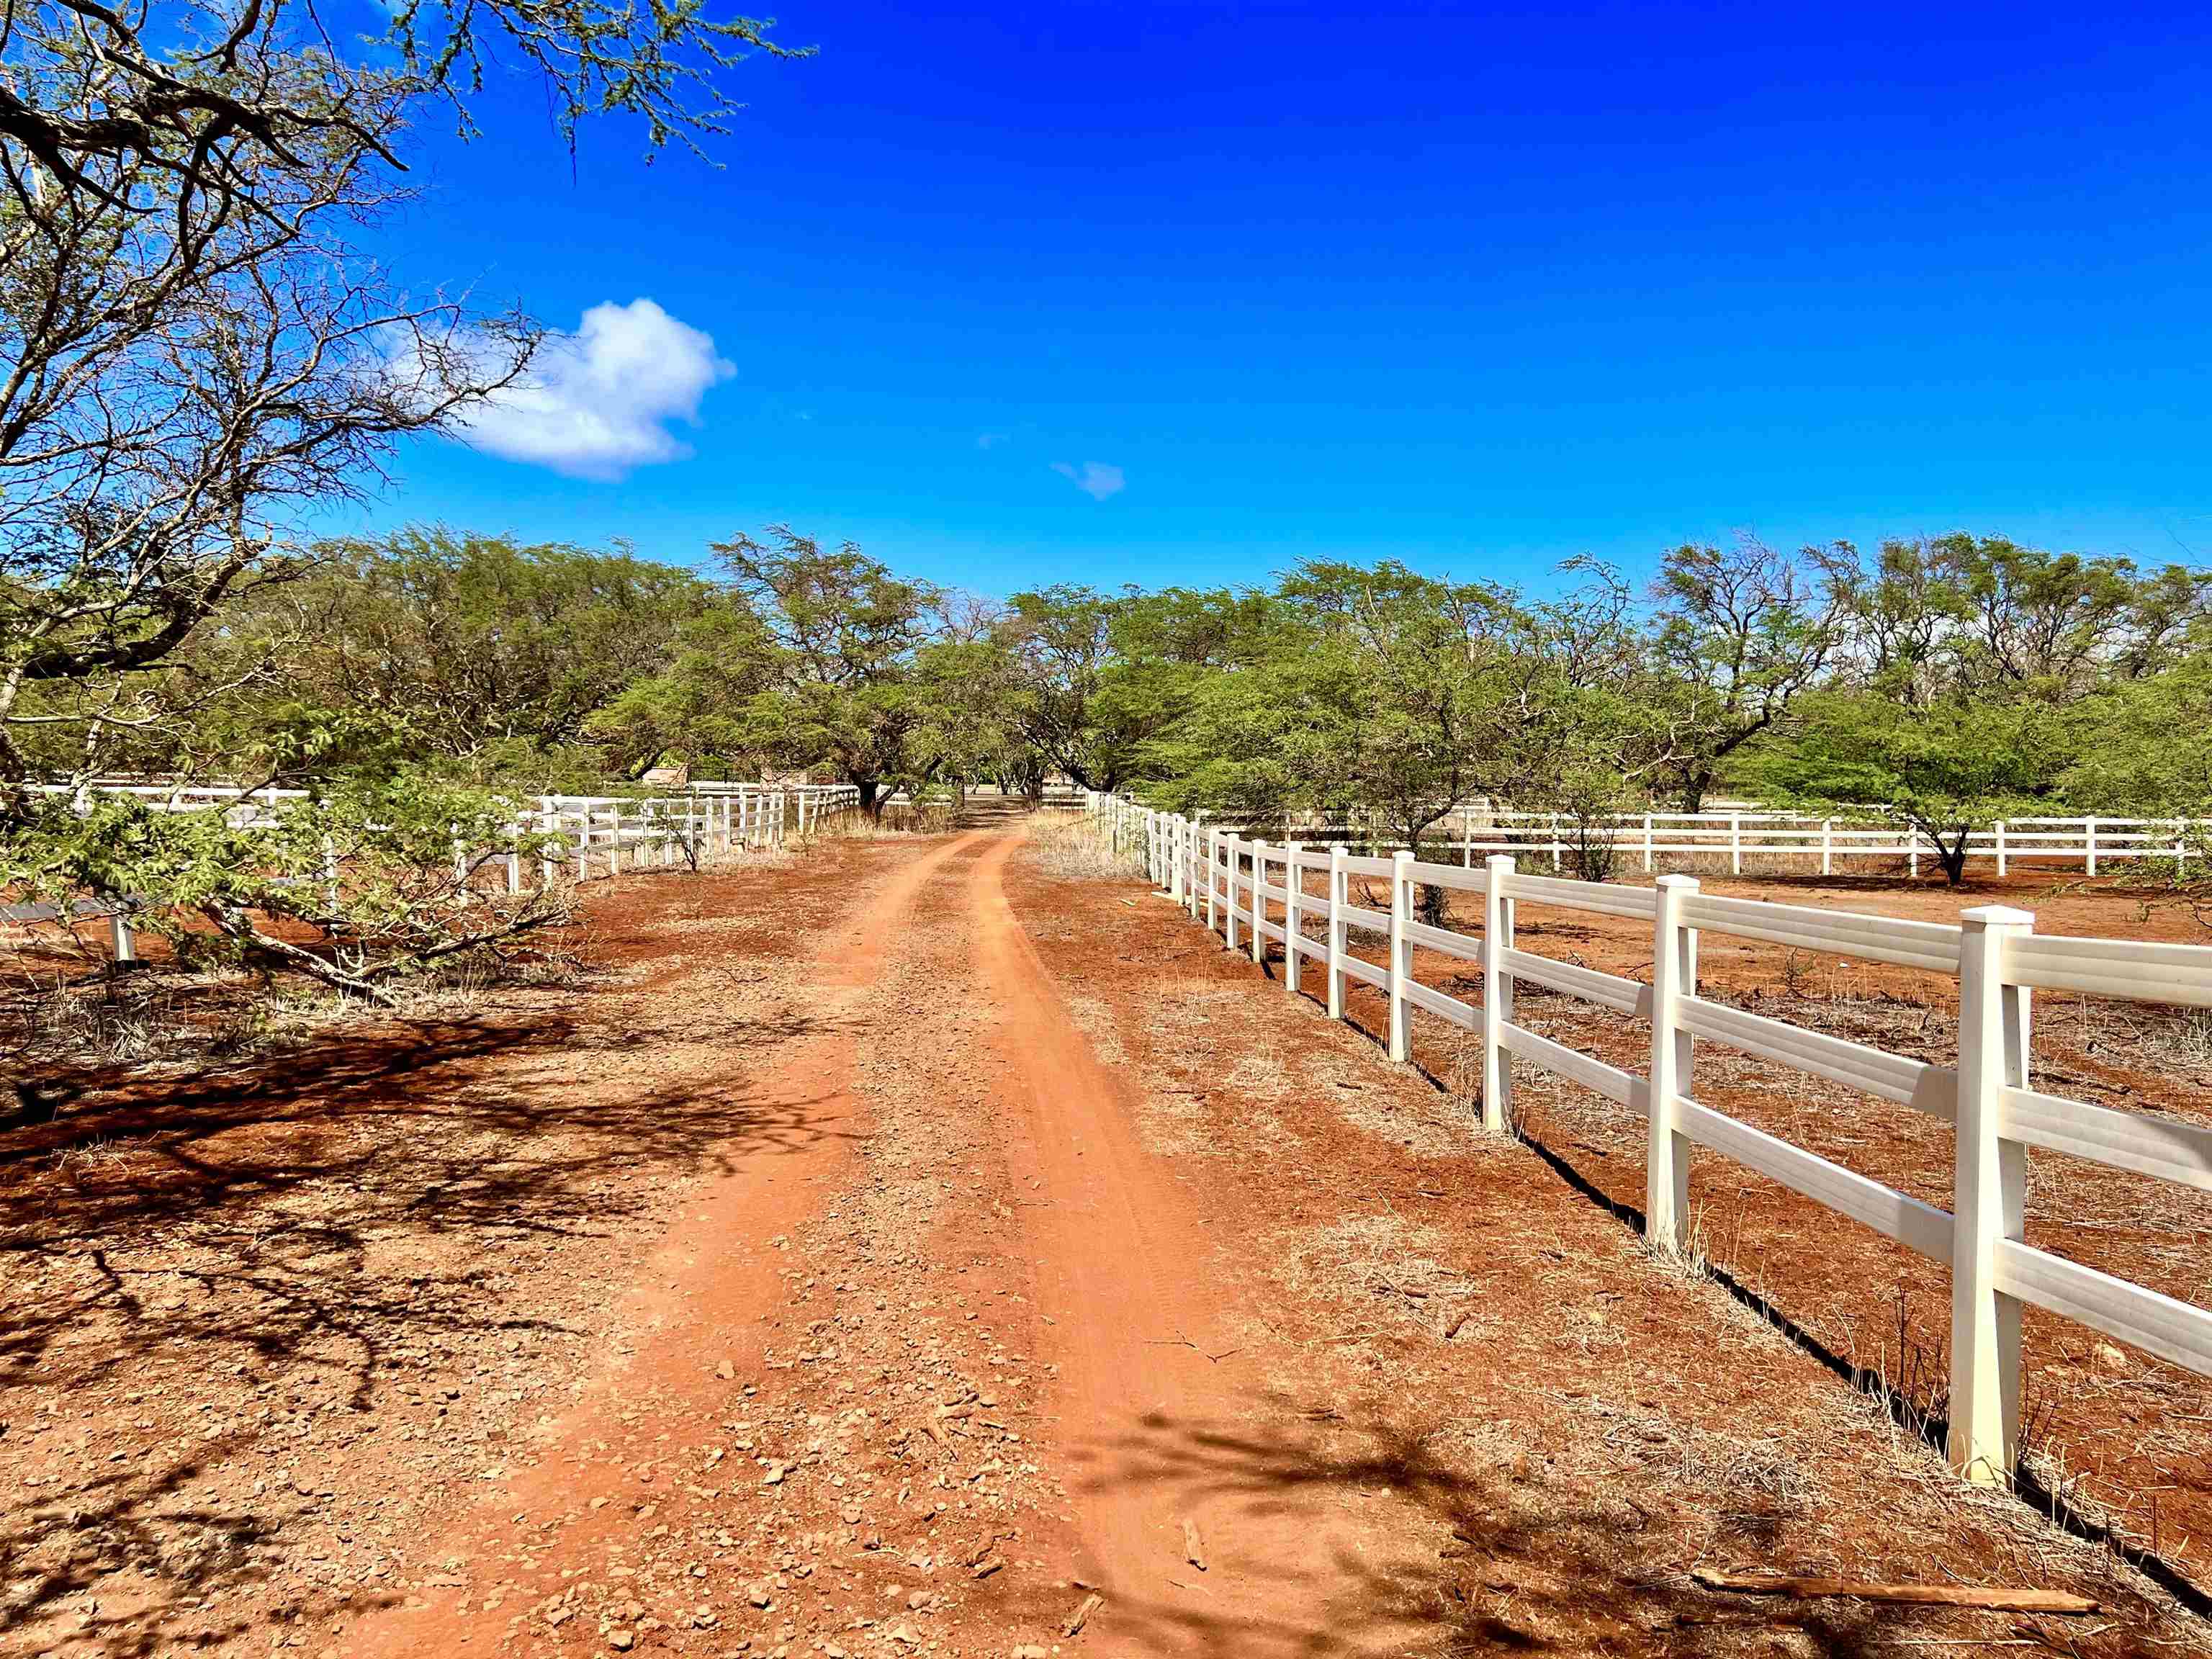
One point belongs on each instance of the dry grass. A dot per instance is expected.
(1378, 1269)
(1072, 849)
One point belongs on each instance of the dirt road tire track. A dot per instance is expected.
(701, 1300)
(1153, 1381)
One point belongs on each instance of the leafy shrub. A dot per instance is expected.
(358, 887)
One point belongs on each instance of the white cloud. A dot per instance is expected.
(596, 403)
(985, 440)
(1094, 478)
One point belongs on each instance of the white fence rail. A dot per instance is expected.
(1654, 837)
(1651, 839)
(597, 835)
(1247, 889)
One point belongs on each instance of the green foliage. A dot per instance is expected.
(2143, 748)
(475, 641)
(699, 705)
(369, 882)
(845, 635)
(1743, 636)
(1946, 681)
(1949, 768)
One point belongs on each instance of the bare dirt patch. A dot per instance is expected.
(883, 1256)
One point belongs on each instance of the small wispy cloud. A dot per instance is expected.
(989, 440)
(1094, 478)
(597, 402)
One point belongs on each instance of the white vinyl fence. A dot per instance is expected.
(598, 835)
(1253, 893)
(1651, 839)
(1654, 837)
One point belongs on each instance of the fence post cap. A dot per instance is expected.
(1501, 860)
(1686, 884)
(1337, 849)
(1996, 916)
(1402, 856)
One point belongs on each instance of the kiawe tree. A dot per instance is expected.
(844, 636)
(1743, 631)
(199, 351)
(1949, 769)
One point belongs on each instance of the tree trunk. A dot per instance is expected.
(869, 803)
(1952, 857)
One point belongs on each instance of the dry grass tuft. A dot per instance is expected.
(1072, 849)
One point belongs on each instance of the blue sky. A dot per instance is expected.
(1479, 288)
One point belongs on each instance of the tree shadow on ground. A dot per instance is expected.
(232, 1268)
(1509, 1558)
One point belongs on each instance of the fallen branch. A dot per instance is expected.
(1938, 1595)
(1193, 1547)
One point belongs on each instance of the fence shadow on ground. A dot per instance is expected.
(1912, 1412)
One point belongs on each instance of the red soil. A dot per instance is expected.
(890, 1253)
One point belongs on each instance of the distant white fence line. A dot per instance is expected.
(1655, 836)
(599, 835)
(1652, 838)
(1994, 952)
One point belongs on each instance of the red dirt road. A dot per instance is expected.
(702, 1293)
(989, 1241)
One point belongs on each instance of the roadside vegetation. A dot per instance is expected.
(207, 354)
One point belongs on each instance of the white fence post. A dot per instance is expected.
(1827, 846)
(1736, 844)
(1212, 877)
(1647, 843)
(122, 941)
(1229, 846)
(1990, 1181)
(1259, 903)
(1667, 1157)
(1294, 915)
(1197, 838)
(1401, 956)
(2000, 849)
(2089, 841)
(1556, 848)
(1497, 994)
(1336, 855)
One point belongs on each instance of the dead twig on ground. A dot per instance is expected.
(2010, 1600)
